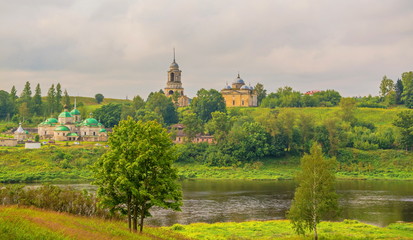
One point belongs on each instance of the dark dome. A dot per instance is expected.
(238, 80)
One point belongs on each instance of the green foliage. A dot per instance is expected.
(109, 115)
(99, 98)
(407, 95)
(163, 106)
(348, 108)
(261, 92)
(136, 173)
(206, 102)
(315, 197)
(193, 125)
(386, 86)
(404, 122)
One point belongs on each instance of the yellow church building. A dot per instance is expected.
(239, 94)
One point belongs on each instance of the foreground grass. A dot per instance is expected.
(281, 229)
(29, 223)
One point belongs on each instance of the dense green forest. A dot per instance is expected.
(279, 128)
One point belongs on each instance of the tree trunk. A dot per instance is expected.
(142, 217)
(135, 218)
(129, 215)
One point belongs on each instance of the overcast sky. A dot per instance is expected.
(124, 48)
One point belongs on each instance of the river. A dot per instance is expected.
(375, 202)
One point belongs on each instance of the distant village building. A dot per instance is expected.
(5, 142)
(33, 145)
(70, 127)
(20, 134)
(174, 87)
(239, 94)
(180, 136)
(311, 93)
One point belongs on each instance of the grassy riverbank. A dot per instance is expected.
(72, 164)
(30, 223)
(281, 229)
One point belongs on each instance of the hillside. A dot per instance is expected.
(29, 223)
(378, 116)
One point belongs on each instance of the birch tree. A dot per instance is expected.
(315, 197)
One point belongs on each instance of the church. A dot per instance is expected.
(70, 127)
(239, 94)
(174, 87)
(236, 95)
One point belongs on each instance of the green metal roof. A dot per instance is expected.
(102, 130)
(51, 120)
(90, 122)
(62, 128)
(75, 112)
(65, 114)
(72, 135)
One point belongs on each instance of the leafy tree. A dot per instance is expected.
(398, 89)
(261, 92)
(136, 172)
(13, 101)
(51, 99)
(328, 98)
(386, 86)
(66, 99)
(99, 98)
(58, 102)
(6, 106)
(146, 115)
(109, 115)
(219, 126)
(193, 125)
(287, 97)
(348, 108)
(248, 142)
(207, 102)
(407, 95)
(26, 97)
(404, 122)
(138, 102)
(160, 104)
(37, 101)
(315, 197)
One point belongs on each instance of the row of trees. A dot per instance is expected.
(399, 92)
(29, 105)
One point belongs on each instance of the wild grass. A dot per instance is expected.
(29, 223)
(281, 229)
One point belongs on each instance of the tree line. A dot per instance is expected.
(31, 106)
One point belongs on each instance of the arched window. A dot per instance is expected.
(172, 77)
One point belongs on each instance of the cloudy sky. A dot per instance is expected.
(124, 48)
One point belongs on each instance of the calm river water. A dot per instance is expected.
(374, 202)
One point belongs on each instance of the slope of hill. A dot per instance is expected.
(29, 223)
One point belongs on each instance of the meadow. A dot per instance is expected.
(31, 223)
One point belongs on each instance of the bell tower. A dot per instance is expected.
(174, 84)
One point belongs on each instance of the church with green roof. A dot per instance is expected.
(70, 127)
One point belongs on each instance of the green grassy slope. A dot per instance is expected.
(281, 229)
(29, 223)
(378, 116)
